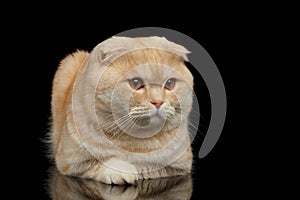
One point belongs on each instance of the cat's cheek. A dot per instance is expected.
(152, 111)
(163, 114)
(137, 98)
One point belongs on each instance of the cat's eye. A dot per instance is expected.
(170, 84)
(136, 83)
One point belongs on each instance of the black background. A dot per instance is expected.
(236, 167)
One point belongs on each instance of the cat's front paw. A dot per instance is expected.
(115, 171)
(123, 192)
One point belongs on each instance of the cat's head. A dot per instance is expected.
(144, 90)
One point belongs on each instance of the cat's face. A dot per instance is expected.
(146, 92)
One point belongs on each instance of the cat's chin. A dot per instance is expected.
(158, 119)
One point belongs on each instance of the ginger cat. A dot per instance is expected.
(120, 113)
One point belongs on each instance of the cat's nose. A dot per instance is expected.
(157, 104)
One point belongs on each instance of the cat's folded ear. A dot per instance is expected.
(113, 47)
(176, 48)
(107, 56)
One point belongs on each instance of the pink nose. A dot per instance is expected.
(157, 104)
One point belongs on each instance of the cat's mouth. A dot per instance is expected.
(144, 121)
(151, 117)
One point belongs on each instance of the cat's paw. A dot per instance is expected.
(115, 171)
(119, 192)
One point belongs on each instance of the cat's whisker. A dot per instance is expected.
(142, 116)
(192, 125)
(112, 115)
(130, 126)
(139, 108)
(193, 111)
(181, 106)
(117, 133)
(196, 134)
(125, 123)
(170, 111)
(194, 130)
(117, 127)
(120, 118)
(173, 123)
(114, 124)
(197, 123)
(124, 129)
(139, 114)
(137, 120)
(139, 111)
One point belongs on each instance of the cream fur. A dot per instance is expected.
(80, 100)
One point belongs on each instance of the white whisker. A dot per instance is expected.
(139, 112)
(114, 124)
(124, 129)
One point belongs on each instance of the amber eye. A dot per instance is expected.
(170, 84)
(136, 83)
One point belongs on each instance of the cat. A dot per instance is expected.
(64, 187)
(120, 113)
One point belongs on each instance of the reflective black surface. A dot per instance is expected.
(210, 177)
(68, 188)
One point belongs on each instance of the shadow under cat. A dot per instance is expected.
(67, 188)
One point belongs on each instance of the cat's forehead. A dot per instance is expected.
(152, 72)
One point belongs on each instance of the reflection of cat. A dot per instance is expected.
(70, 188)
(120, 113)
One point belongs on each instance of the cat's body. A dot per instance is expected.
(120, 113)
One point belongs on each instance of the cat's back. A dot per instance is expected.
(62, 90)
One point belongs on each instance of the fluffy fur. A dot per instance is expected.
(103, 129)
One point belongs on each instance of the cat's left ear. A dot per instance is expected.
(177, 49)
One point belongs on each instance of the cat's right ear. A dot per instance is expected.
(101, 56)
(108, 56)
